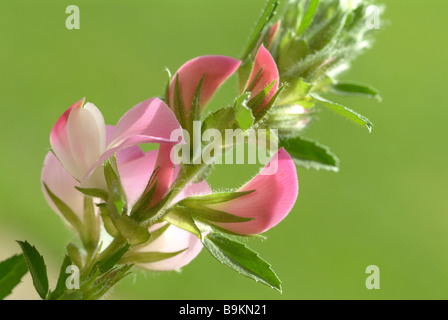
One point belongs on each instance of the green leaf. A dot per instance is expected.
(106, 264)
(60, 286)
(308, 17)
(241, 259)
(353, 89)
(94, 192)
(65, 210)
(37, 267)
(215, 198)
(309, 154)
(264, 19)
(244, 115)
(11, 272)
(345, 112)
(181, 218)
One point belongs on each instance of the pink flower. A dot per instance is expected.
(79, 138)
(214, 69)
(264, 72)
(135, 169)
(272, 200)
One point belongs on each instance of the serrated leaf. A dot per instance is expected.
(12, 271)
(37, 267)
(264, 19)
(60, 286)
(308, 16)
(309, 154)
(353, 89)
(241, 259)
(345, 112)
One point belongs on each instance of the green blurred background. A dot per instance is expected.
(387, 206)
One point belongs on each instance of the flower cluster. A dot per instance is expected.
(142, 208)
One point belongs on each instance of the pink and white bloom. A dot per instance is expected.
(80, 141)
(272, 200)
(264, 72)
(214, 68)
(135, 168)
(135, 171)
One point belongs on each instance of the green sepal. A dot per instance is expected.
(264, 19)
(244, 115)
(178, 106)
(345, 112)
(106, 264)
(12, 271)
(91, 232)
(203, 213)
(240, 258)
(181, 218)
(309, 154)
(37, 267)
(148, 257)
(131, 230)
(75, 254)
(94, 192)
(308, 16)
(214, 198)
(354, 89)
(65, 210)
(265, 110)
(222, 119)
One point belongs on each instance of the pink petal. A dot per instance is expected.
(273, 199)
(272, 33)
(86, 132)
(59, 140)
(269, 73)
(151, 121)
(164, 174)
(215, 69)
(135, 169)
(62, 184)
(172, 240)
